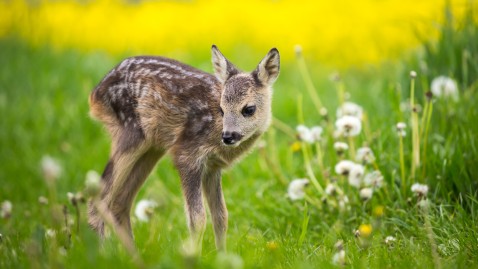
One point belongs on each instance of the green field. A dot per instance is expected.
(44, 112)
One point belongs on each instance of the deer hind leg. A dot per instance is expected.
(124, 174)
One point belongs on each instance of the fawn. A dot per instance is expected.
(154, 105)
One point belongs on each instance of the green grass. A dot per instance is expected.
(44, 108)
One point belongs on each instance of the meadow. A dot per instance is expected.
(295, 201)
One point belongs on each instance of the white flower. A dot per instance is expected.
(350, 109)
(144, 209)
(316, 132)
(344, 167)
(365, 155)
(343, 203)
(356, 174)
(43, 200)
(420, 189)
(50, 167)
(309, 135)
(401, 129)
(296, 188)
(330, 189)
(389, 240)
(348, 126)
(6, 211)
(445, 87)
(50, 233)
(340, 147)
(373, 179)
(92, 183)
(366, 193)
(339, 257)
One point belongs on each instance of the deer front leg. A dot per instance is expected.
(211, 184)
(190, 173)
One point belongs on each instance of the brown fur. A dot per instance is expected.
(154, 105)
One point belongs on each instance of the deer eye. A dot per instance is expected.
(248, 111)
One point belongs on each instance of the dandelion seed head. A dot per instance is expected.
(366, 193)
(365, 155)
(51, 168)
(339, 257)
(316, 132)
(330, 189)
(413, 74)
(389, 240)
(311, 135)
(401, 126)
(344, 202)
(305, 134)
(144, 209)
(50, 233)
(373, 179)
(343, 167)
(444, 87)
(43, 200)
(295, 191)
(348, 126)
(340, 147)
(355, 175)
(6, 210)
(92, 183)
(350, 109)
(420, 190)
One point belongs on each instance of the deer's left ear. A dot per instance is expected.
(268, 69)
(223, 69)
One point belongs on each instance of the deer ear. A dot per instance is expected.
(268, 69)
(223, 69)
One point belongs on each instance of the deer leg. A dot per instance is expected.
(190, 173)
(124, 174)
(211, 184)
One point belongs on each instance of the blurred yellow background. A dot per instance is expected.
(338, 33)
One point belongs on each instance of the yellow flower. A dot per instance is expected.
(152, 26)
(272, 245)
(296, 146)
(365, 230)
(378, 211)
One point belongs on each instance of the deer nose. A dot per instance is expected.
(230, 138)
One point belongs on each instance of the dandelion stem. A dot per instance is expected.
(402, 166)
(341, 92)
(415, 130)
(275, 169)
(425, 138)
(309, 170)
(351, 148)
(320, 157)
(278, 124)
(309, 85)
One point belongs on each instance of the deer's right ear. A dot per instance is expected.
(223, 69)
